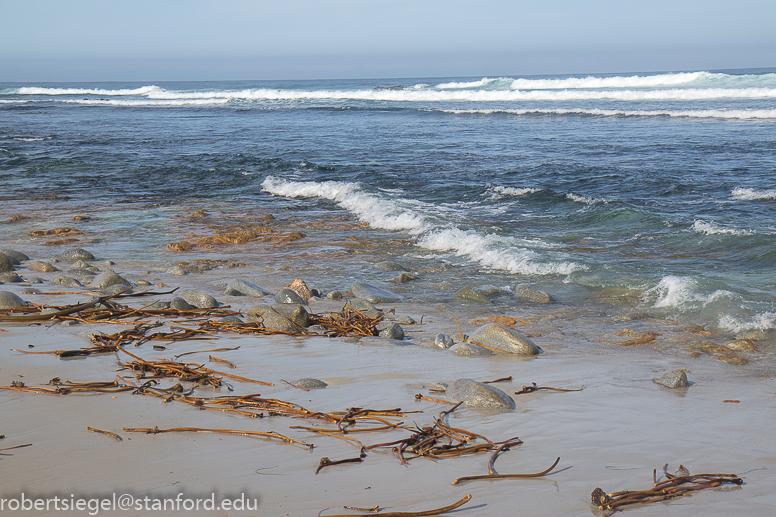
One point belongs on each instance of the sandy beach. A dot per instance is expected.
(609, 435)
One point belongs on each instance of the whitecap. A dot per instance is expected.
(749, 194)
(712, 228)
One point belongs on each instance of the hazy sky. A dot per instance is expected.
(142, 40)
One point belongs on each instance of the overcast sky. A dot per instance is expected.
(156, 40)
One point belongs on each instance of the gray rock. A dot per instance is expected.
(438, 386)
(177, 271)
(674, 379)
(390, 330)
(80, 272)
(288, 296)
(310, 384)
(403, 278)
(632, 316)
(179, 304)
(244, 288)
(9, 300)
(405, 320)
(443, 341)
(489, 290)
(34, 280)
(524, 292)
(142, 282)
(467, 293)
(115, 289)
(108, 279)
(365, 307)
(469, 350)
(334, 295)
(89, 334)
(49, 310)
(75, 255)
(42, 267)
(389, 266)
(374, 294)
(501, 338)
(382, 341)
(80, 264)
(30, 290)
(67, 281)
(231, 319)
(316, 293)
(10, 278)
(477, 394)
(14, 256)
(5, 264)
(284, 319)
(198, 300)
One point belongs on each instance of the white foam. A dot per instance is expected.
(749, 194)
(584, 199)
(634, 81)
(22, 139)
(31, 90)
(712, 228)
(471, 84)
(394, 213)
(722, 114)
(681, 292)
(141, 102)
(513, 191)
(762, 321)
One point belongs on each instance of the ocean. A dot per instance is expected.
(648, 195)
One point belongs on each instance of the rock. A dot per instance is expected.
(89, 334)
(382, 341)
(116, 289)
(76, 254)
(80, 272)
(10, 278)
(285, 319)
(390, 330)
(34, 280)
(231, 319)
(15, 257)
(489, 290)
(198, 300)
(365, 307)
(31, 290)
(43, 267)
(632, 316)
(67, 281)
(443, 341)
(239, 287)
(674, 379)
(405, 320)
(5, 264)
(334, 295)
(477, 394)
(467, 293)
(469, 350)
(177, 271)
(524, 292)
(180, 304)
(759, 335)
(288, 296)
(142, 282)
(389, 266)
(403, 278)
(108, 279)
(506, 340)
(316, 293)
(310, 384)
(9, 300)
(374, 294)
(300, 288)
(80, 264)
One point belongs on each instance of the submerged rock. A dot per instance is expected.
(674, 379)
(477, 394)
(403, 278)
(389, 266)
(239, 287)
(524, 292)
(374, 294)
(506, 340)
(310, 384)
(9, 300)
(467, 293)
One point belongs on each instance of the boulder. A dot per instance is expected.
(284, 319)
(239, 287)
(9, 300)
(524, 292)
(10, 278)
(300, 288)
(365, 307)
(179, 304)
(198, 300)
(42, 267)
(75, 255)
(288, 296)
(67, 281)
(501, 338)
(14, 256)
(467, 293)
(374, 294)
(477, 394)
(443, 341)
(5, 264)
(674, 379)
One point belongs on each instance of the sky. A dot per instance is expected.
(158, 40)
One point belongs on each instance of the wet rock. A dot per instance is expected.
(15, 257)
(116, 289)
(389, 266)
(231, 319)
(9, 300)
(469, 350)
(177, 271)
(524, 292)
(759, 335)
(5, 264)
(506, 340)
(390, 330)
(403, 278)
(674, 379)
(467, 293)
(633, 316)
(405, 320)
(310, 384)
(443, 341)
(477, 394)
(288, 296)
(34, 280)
(75, 255)
(316, 293)
(142, 282)
(67, 281)
(365, 307)
(179, 304)
(80, 272)
(89, 334)
(300, 288)
(334, 295)
(374, 294)
(285, 319)
(239, 287)
(489, 290)
(42, 267)
(743, 344)
(31, 290)
(108, 279)
(198, 300)
(10, 278)
(80, 264)
(382, 341)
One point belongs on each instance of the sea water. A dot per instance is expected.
(626, 193)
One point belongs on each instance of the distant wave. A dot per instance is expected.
(512, 191)
(584, 199)
(31, 90)
(634, 81)
(749, 194)
(30, 139)
(724, 114)
(148, 102)
(475, 84)
(712, 228)
(392, 213)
